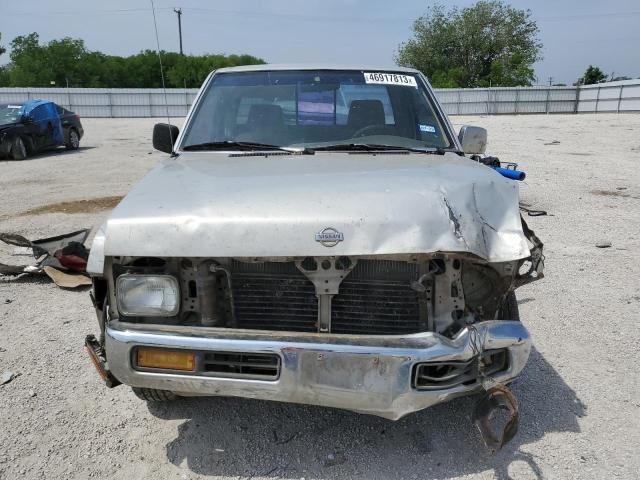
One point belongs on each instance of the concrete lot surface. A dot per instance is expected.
(579, 395)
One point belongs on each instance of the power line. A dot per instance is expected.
(585, 16)
(298, 16)
(80, 12)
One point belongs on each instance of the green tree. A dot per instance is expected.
(28, 63)
(4, 74)
(191, 70)
(592, 75)
(60, 61)
(68, 62)
(489, 43)
(65, 62)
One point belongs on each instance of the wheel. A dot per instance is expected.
(73, 142)
(18, 150)
(509, 310)
(152, 395)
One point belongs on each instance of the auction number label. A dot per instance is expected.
(390, 79)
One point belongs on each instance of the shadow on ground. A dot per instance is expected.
(247, 438)
(49, 152)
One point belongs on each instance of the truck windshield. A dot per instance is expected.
(10, 114)
(314, 109)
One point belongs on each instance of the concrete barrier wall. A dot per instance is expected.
(621, 96)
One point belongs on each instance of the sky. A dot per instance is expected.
(575, 33)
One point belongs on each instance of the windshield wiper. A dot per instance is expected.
(243, 146)
(372, 147)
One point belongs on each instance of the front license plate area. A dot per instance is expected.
(348, 372)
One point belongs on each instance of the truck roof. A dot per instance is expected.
(314, 66)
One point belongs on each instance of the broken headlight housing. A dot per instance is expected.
(148, 295)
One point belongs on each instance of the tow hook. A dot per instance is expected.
(99, 360)
(489, 414)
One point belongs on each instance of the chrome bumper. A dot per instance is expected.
(366, 374)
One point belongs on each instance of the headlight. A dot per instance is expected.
(148, 295)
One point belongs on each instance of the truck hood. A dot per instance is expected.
(214, 204)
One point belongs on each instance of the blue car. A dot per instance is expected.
(37, 125)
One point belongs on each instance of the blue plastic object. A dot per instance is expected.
(44, 113)
(512, 174)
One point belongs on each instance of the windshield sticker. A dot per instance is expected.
(14, 106)
(427, 128)
(390, 79)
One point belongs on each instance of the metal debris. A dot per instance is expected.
(603, 244)
(533, 213)
(62, 258)
(12, 269)
(497, 400)
(6, 377)
(15, 239)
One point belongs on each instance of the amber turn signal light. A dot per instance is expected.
(166, 359)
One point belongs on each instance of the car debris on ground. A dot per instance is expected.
(6, 377)
(62, 258)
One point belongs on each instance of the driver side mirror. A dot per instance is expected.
(473, 139)
(164, 137)
(27, 119)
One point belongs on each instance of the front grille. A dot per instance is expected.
(273, 296)
(264, 366)
(375, 298)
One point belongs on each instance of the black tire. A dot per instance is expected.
(18, 149)
(509, 310)
(153, 395)
(73, 140)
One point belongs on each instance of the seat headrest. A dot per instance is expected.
(266, 115)
(363, 113)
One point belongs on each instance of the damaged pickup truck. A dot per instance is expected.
(318, 235)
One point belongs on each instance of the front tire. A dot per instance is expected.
(18, 149)
(509, 309)
(153, 395)
(73, 141)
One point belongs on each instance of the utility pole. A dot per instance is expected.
(179, 12)
(550, 80)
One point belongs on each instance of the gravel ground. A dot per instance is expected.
(579, 394)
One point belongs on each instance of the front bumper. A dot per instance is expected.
(366, 374)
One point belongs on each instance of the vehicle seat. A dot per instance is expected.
(265, 124)
(363, 113)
